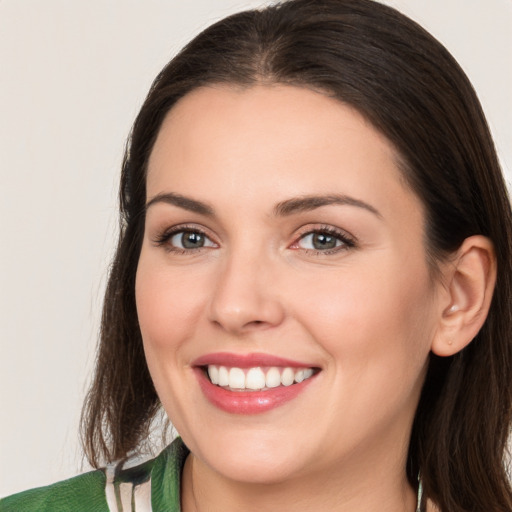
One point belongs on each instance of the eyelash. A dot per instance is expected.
(164, 238)
(347, 241)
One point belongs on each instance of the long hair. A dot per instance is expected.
(411, 89)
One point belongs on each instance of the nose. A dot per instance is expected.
(247, 295)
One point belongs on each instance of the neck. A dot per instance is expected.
(372, 488)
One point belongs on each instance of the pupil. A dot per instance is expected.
(323, 241)
(192, 240)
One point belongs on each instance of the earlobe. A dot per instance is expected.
(469, 280)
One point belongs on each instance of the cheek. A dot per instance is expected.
(167, 309)
(378, 318)
(168, 303)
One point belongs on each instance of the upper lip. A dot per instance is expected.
(247, 360)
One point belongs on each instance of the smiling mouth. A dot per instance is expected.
(256, 378)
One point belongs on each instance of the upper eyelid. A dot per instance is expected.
(348, 241)
(167, 233)
(325, 228)
(185, 227)
(299, 233)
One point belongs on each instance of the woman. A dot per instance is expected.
(313, 279)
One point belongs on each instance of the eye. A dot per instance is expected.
(319, 241)
(190, 240)
(324, 240)
(184, 240)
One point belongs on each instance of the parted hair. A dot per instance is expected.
(411, 89)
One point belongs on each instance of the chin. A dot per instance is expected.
(258, 470)
(258, 457)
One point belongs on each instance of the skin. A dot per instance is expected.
(365, 314)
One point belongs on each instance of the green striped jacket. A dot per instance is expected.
(152, 486)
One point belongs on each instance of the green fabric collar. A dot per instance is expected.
(166, 477)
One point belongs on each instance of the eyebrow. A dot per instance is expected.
(282, 209)
(308, 203)
(186, 203)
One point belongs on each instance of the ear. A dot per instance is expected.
(469, 278)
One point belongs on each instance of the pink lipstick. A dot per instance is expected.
(251, 383)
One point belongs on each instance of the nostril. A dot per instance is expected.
(255, 323)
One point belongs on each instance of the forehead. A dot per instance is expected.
(266, 140)
(276, 114)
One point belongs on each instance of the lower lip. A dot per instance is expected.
(249, 402)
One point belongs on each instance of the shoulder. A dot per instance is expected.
(81, 493)
(152, 484)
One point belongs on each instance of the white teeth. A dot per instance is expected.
(223, 376)
(236, 378)
(273, 378)
(213, 373)
(287, 377)
(299, 376)
(255, 378)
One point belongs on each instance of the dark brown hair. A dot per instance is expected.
(411, 89)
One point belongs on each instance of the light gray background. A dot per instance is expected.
(72, 77)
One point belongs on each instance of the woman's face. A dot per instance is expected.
(281, 245)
